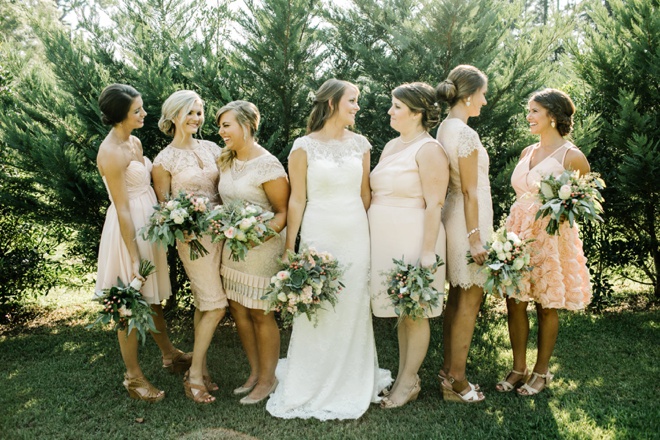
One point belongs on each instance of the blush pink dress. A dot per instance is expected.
(396, 224)
(560, 278)
(114, 258)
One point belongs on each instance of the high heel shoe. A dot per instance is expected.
(527, 390)
(141, 389)
(451, 395)
(179, 362)
(209, 384)
(442, 376)
(197, 393)
(504, 386)
(247, 400)
(386, 403)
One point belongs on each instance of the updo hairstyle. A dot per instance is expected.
(326, 102)
(115, 102)
(420, 98)
(247, 116)
(463, 81)
(175, 108)
(560, 107)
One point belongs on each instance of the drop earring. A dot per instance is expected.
(552, 124)
(468, 103)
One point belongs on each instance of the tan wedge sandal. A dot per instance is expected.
(141, 389)
(528, 390)
(504, 386)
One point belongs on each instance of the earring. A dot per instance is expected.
(552, 124)
(468, 102)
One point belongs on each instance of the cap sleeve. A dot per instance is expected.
(299, 144)
(364, 144)
(269, 169)
(468, 141)
(164, 159)
(213, 148)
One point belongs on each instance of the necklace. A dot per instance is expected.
(411, 140)
(236, 168)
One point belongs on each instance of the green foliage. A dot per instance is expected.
(620, 71)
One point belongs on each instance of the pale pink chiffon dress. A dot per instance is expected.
(114, 260)
(560, 278)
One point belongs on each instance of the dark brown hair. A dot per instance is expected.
(560, 107)
(463, 81)
(115, 102)
(420, 98)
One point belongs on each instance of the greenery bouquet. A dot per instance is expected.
(570, 196)
(409, 288)
(308, 281)
(508, 258)
(242, 226)
(124, 305)
(182, 218)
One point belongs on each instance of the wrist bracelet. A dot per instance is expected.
(472, 232)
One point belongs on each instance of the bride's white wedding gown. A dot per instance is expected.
(331, 371)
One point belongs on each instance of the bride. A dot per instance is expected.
(331, 371)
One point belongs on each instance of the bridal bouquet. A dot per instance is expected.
(409, 288)
(242, 226)
(507, 259)
(123, 305)
(309, 280)
(180, 218)
(570, 196)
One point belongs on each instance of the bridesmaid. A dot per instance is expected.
(125, 173)
(189, 164)
(468, 219)
(249, 172)
(560, 278)
(408, 187)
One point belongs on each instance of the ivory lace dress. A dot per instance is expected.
(560, 277)
(114, 258)
(196, 171)
(246, 281)
(396, 223)
(331, 371)
(460, 141)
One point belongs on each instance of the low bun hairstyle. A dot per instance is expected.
(463, 81)
(420, 98)
(560, 107)
(115, 102)
(326, 99)
(175, 107)
(248, 117)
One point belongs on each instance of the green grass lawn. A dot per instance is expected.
(60, 380)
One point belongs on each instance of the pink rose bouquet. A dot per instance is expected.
(571, 197)
(304, 285)
(182, 218)
(242, 225)
(124, 305)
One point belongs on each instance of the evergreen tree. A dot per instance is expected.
(620, 68)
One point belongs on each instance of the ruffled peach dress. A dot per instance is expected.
(560, 278)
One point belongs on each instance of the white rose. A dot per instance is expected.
(245, 224)
(179, 215)
(565, 192)
(546, 189)
(136, 284)
(507, 246)
(172, 204)
(252, 209)
(518, 263)
(283, 275)
(512, 236)
(497, 246)
(501, 256)
(240, 236)
(123, 311)
(282, 297)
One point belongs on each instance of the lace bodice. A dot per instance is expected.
(192, 170)
(244, 180)
(336, 167)
(460, 141)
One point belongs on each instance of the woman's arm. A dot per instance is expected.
(576, 160)
(162, 180)
(468, 168)
(112, 164)
(434, 173)
(365, 188)
(277, 191)
(298, 198)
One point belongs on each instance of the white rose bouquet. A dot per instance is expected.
(507, 259)
(124, 305)
(409, 288)
(182, 218)
(571, 197)
(304, 285)
(242, 225)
